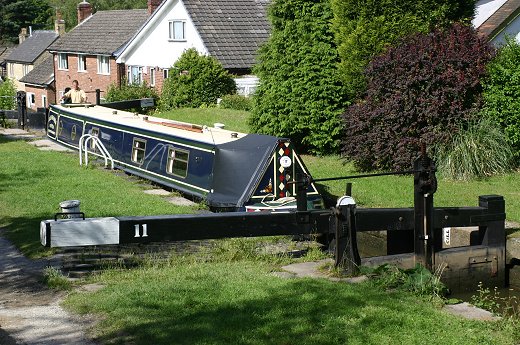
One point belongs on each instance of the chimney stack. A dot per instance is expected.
(22, 36)
(152, 5)
(59, 24)
(84, 11)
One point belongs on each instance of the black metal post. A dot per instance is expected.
(98, 96)
(346, 253)
(425, 185)
(21, 101)
(301, 192)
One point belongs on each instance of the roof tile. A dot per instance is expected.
(102, 33)
(33, 46)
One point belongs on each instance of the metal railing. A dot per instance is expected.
(84, 149)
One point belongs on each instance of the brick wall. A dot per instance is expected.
(89, 80)
(38, 92)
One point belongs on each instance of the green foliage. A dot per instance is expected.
(54, 279)
(365, 28)
(419, 91)
(130, 91)
(502, 92)
(195, 80)
(16, 14)
(68, 8)
(481, 150)
(417, 280)
(237, 102)
(7, 95)
(300, 94)
(494, 302)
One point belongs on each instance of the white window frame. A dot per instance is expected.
(25, 69)
(138, 151)
(152, 76)
(31, 99)
(10, 67)
(130, 75)
(166, 72)
(63, 61)
(44, 101)
(82, 63)
(172, 34)
(173, 159)
(103, 64)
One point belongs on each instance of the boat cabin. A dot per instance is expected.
(227, 169)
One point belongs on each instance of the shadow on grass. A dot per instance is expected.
(24, 233)
(304, 312)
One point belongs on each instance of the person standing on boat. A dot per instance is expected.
(76, 95)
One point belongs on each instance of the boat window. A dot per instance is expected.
(60, 127)
(138, 151)
(73, 133)
(177, 163)
(94, 131)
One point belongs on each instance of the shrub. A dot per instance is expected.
(130, 91)
(237, 102)
(422, 90)
(479, 151)
(7, 95)
(502, 92)
(195, 80)
(364, 29)
(300, 95)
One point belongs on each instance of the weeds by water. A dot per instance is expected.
(492, 301)
(417, 280)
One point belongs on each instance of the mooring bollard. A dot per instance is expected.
(70, 209)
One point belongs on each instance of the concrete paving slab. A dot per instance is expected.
(178, 200)
(12, 131)
(49, 145)
(471, 312)
(161, 192)
(307, 269)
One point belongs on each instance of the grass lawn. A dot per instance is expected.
(239, 302)
(235, 120)
(34, 182)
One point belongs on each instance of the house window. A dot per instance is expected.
(177, 29)
(165, 73)
(44, 101)
(103, 64)
(138, 151)
(25, 69)
(11, 70)
(63, 61)
(135, 75)
(82, 63)
(152, 76)
(31, 99)
(177, 163)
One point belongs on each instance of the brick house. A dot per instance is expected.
(88, 52)
(497, 19)
(40, 85)
(29, 53)
(229, 30)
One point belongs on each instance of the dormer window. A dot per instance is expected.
(177, 30)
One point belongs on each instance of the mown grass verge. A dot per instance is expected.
(190, 301)
(34, 182)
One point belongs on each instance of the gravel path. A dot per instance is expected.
(29, 312)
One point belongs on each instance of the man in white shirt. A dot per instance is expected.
(75, 94)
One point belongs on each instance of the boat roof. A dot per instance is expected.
(200, 133)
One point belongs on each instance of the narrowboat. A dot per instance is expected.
(230, 171)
